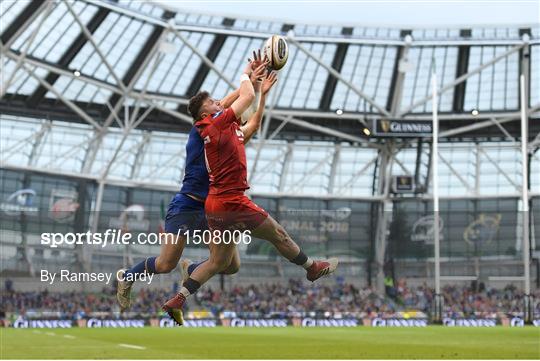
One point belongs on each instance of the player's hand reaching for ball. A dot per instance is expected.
(256, 62)
(257, 59)
(257, 73)
(268, 82)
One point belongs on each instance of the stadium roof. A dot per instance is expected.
(87, 60)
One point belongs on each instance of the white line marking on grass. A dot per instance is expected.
(50, 334)
(36, 331)
(69, 336)
(131, 346)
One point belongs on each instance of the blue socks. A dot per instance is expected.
(148, 266)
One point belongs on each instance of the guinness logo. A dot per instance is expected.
(385, 125)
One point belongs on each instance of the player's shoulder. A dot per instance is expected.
(226, 113)
(229, 112)
(217, 119)
(202, 123)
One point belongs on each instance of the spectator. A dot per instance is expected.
(275, 300)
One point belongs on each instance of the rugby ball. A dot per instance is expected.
(277, 51)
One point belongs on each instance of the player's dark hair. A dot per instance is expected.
(195, 104)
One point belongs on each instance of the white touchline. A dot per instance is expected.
(132, 346)
(50, 334)
(69, 336)
(36, 331)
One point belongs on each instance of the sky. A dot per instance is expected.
(413, 13)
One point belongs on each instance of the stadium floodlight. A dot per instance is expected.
(475, 112)
(339, 111)
(77, 73)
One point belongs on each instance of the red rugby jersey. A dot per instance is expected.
(224, 152)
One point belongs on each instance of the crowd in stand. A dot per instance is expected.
(295, 298)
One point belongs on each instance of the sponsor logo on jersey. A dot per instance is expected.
(215, 115)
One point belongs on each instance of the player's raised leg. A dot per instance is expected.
(188, 267)
(273, 232)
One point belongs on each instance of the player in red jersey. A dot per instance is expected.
(227, 207)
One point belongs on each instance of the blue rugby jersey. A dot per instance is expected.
(196, 180)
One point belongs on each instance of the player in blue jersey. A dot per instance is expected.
(186, 209)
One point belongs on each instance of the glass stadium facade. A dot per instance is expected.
(94, 100)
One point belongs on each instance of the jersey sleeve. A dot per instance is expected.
(202, 127)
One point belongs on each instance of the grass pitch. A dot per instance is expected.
(271, 343)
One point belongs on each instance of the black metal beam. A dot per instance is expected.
(285, 28)
(141, 56)
(462, 67)
(211, 54)
(20, 20)
(418, 165)
(337, 64)
(69, 55)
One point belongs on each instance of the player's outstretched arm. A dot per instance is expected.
(255, 120)
(247, 93)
